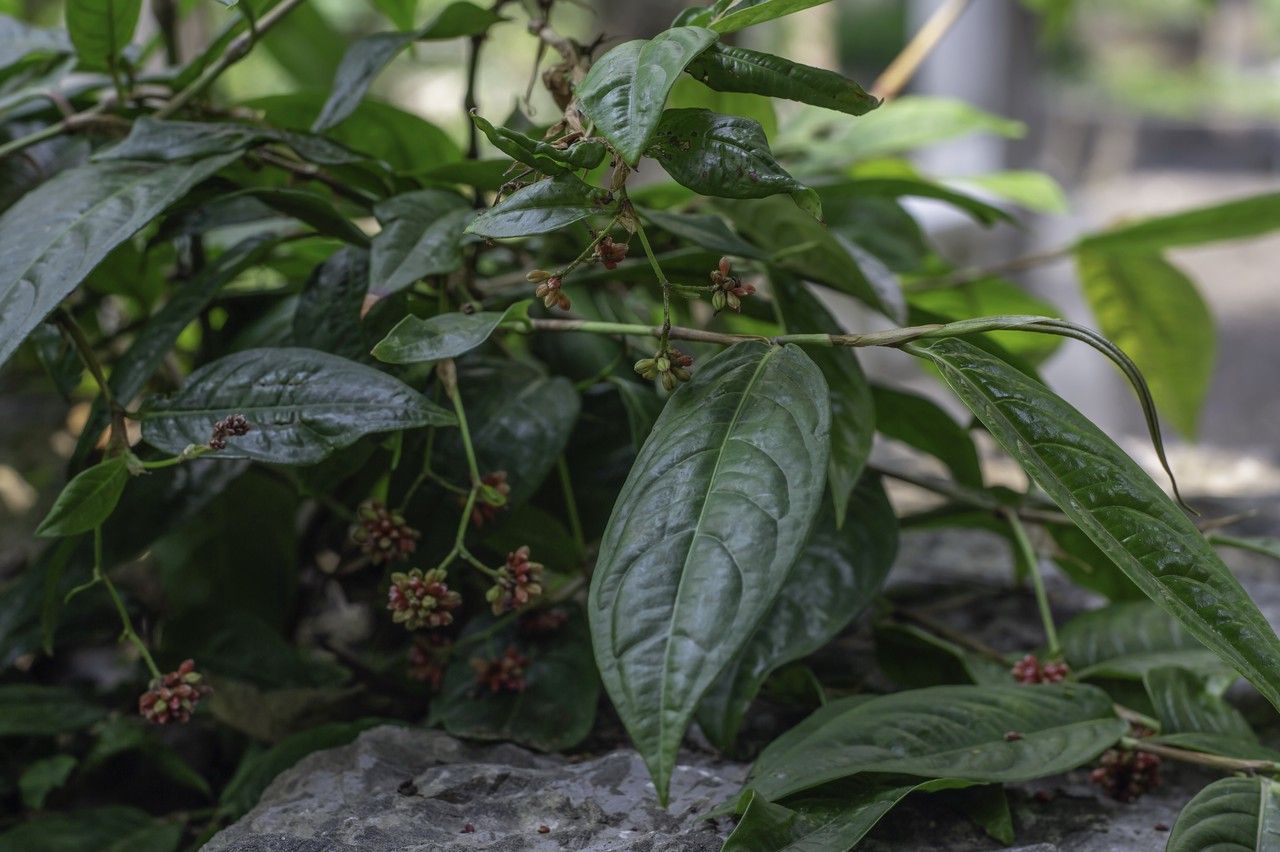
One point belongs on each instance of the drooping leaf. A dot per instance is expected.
(913, 186)
(100, 29)
(1187, 702)
(57, 233)
(853, 415)
(797, 243)
(366, 58)
(87, 499)
(168, 140)
(626, 89)
(1232, 815)
(1234, 220)
(1152, 311)
(540, 208)
(729, 16)
(416, 341)
(421, 235)
(310, 208)
(833, 817)
(301, 405)
(557, 707)
(717, 507)
(919, 423)
(719, 155)
(689, 93)
(838, 573)
(1113, 501)
(42, 711)
(728, 68)
(543, 156)
(947, 732)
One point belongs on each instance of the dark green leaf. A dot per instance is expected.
(310, 208)
(89, 828)
(416, 341)
(689, 93)
(853, 415)
(1113, 501)
(716, 509)
(833, 817)
(157, 837)
(947, 732)
(165, 141)
(1124, 640)
(1187, 702)
(642, 407)
(87, 499)
(520, 422)
(554, 712)
(729, 16)
(1087, 566)
(916, 187)
(626, 90)
(834, 579)
(1234, 220)
(719, 155)
(540, 208)
(301, 405)
(421, 235)
(42, 777)
(799, 244)
(366, 58)
(919, 423)
(100, 29)
(1231, 815)
(42, 711)
(259, 768)
(1148, 308)
(706, 230)
(545, 157)
(119, 735)
(727, 68)
(57, 233)
(914, 658)
(328, 313)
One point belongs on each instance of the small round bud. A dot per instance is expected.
(537, 276)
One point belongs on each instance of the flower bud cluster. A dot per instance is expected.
(419, 600)
(383, 534)
(231, 426)
(173, 697)
(670, 367)
(729, 290)
(517, 583)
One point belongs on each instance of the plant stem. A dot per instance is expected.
(570, 504)
(126, 623)
(904, 66)
(665, 333)
(70, 124)
(119, 440)
(1032, 559)
(235, 51)
(467, 447)
(469, 101)
(969, 496)
(1226, 764)
(1133, 717)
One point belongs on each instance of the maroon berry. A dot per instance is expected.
(382, 534)
(1029, 670)
(610, 253)
(1012, 736)
(1126, 775)
(505, 674)
(419, 600)
(428, 656)
(231, 426)
(174, 696)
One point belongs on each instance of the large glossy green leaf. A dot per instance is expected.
(541, 207)
(168, 140)
(728, 68)
(919, 423)
(1113, 501)
(57, 233)
(366, 58)
(801, 245)
(947, 732)
(328, 313)
(100, 29)
(1230, 815)
(853, 414)
(719, 155)
(417, 341)
(1188, 702)
(87, 499)
(1246, 217)
(1124, 640)
(626, 89)
(833, 817)
(837, 575)
(558, 706)
(301, 405)
(714, 513)
(421, 235)
(543, 156)
(1081, 560)
(1154, 312)
(310, 208)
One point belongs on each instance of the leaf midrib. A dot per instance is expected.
(684, 564)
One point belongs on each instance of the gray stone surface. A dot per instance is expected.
(355, 798)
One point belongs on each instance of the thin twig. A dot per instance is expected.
(904, 66)
(1226, 764)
